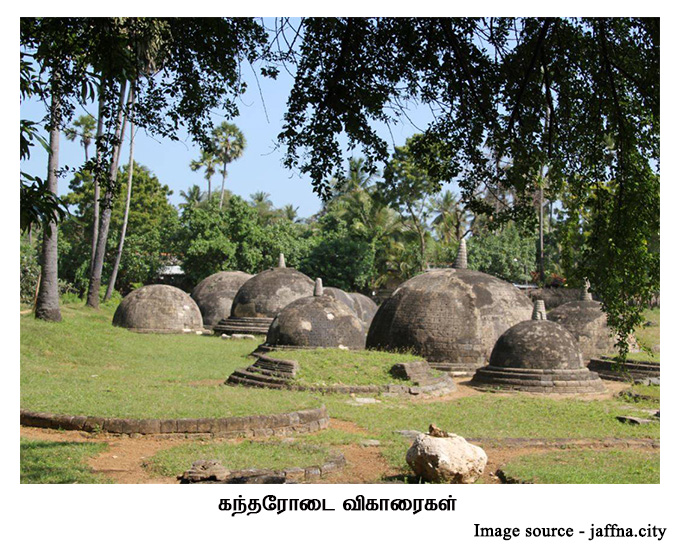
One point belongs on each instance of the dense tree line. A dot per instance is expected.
(528, 113)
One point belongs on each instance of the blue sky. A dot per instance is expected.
(260, 168)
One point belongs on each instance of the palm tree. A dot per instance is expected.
(261, 203)
(290, 212)
(83, 127)
(47, 301)
(451, 219)
(229, 144)
(193, 196)
(131, 167)
(209, 162)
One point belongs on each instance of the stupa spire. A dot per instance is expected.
(282, 260)
(586, 295)
(539, 310)
(318, 287)
(461, 257)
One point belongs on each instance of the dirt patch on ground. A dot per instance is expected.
(124, 460)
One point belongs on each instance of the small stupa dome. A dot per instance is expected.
(587, 322)
(538, 356)
(215, 294)
(262, 297)
(317, 321)
(364, 307)
(452, 316)
(158, 309)
(339, 295)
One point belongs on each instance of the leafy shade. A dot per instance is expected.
(513, 100)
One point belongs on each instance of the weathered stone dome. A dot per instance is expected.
(262, 297)
(158, 309)
(452, 317)
(537, 356)
(317, 321)
(364, 307)
(536, 344)
(587, 322)
(215, 294)
(340, 295)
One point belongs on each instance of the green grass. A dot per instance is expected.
(272, 455)
(586, 467)
(86, 366)
(647, 337)
(339, 367)
(51, 462)
(490, 415)
(652, 392)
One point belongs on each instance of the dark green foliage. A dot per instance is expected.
(505, 253)
(572, 100)
(148, 245)
(341, 258)
(30, 270)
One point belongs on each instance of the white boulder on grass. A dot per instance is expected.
(446, 458)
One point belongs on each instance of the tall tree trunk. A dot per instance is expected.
(105, 220)
(47, 303)
(209, 192)
(224, 177)
(131, 165)
(100, 132)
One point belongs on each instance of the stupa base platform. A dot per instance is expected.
(569, 381)
(458, 369)
(254, 326)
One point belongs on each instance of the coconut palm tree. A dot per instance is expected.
(83, 128)
(193, 196)
(209, 162)
(229, 144)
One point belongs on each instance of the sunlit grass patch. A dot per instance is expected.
(271, 455)
(59, 462)
(582, 466)
(340, 367)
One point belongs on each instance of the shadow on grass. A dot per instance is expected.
(58, 462)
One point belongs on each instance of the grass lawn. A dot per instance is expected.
(54, 462)
(272, 455)
(490, 415)
(86, 366)
(339, 367)
(580, 466)
(647, 337)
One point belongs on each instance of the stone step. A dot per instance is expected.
(260, 377)
(238, 380)
(275, 373)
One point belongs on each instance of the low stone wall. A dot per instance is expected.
(607, 370)
(211, 472)
(298, 422)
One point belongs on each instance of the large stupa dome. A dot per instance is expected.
(587, 322)
(158, 309)
(364, 307)
(317, 321)
(262, 297)
(452, 317)
(215, 294)
(537, 356)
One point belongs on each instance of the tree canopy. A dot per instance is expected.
(514, 100)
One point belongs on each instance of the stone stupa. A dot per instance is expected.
(587, 322)
(215, 294)
(262, 297)
(316, 321)
(158, 309)
(537, 356)
(452, 317)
